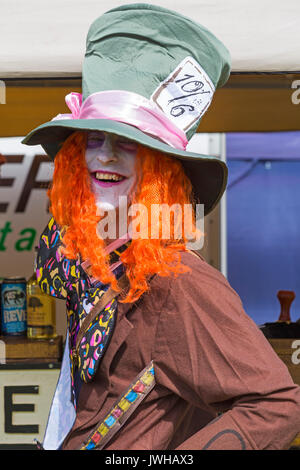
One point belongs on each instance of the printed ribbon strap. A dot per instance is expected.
(122, 410)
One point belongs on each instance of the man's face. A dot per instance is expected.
(111, 162)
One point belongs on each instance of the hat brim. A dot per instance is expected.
(207, 174)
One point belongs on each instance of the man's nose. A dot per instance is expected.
(108, 153)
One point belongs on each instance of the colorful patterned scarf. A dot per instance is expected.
(69, 279)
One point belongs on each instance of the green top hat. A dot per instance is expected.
(149, 74)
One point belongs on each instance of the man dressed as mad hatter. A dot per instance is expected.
(159, 351)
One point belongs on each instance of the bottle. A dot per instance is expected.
(41, 316)
(283, 327)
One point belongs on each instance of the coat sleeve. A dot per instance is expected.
(209, 352)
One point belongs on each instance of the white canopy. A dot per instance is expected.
(47, 38)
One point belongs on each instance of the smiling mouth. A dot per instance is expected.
(106, 177)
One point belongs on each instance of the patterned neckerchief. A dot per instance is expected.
(70, 280)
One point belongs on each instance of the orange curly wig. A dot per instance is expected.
(160, 180)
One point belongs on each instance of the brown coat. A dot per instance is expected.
(209, 358)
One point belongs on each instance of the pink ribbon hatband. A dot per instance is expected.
(129, 108)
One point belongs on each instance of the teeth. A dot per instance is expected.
(108, 176)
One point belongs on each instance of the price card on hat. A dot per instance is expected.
(185, 94)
